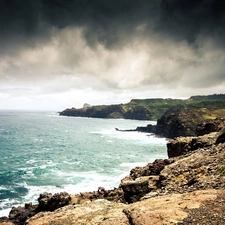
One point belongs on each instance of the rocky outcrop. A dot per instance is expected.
(183, 122)
(148, 129)
(183, 145)
(178, 122)
(49, 202)
(86, 105)
(200, 169)
(142, 180)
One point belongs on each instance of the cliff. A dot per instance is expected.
(110, 111)
(183, 122)
(178, 122)
(146, 109)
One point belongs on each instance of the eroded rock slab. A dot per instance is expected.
(168, 209)
(98, 212)
(183, 145)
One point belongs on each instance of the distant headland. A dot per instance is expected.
(146, 109)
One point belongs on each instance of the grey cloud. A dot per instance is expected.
(115, 45)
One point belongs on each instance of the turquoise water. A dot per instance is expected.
(43, 152)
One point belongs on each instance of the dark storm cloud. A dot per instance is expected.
(111, 22)
(26, 21)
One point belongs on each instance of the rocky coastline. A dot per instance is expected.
(186, 188)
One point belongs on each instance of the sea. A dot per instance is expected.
(42, 152)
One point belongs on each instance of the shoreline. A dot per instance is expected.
(157, 180)
(127, 166)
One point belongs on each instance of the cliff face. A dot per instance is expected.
(110, 111)
(184, 122)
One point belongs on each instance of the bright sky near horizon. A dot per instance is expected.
(64, 53)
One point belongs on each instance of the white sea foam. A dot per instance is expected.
(31, 161)
(91, 181)
(132, 165)
(5, 206)
(4, 212)
(132, 136)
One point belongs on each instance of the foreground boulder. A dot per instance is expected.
(168, 209)
(143, 180)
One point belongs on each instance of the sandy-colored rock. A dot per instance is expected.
(168, 209)
(98, 212)
(6, 223)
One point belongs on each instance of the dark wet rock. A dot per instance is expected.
(211, 126)
(18, 215)
(148, 129)
(134, 190)
(49, 202)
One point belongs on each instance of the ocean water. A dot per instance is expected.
(44, 152)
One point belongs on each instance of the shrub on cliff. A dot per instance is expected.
(221, 137)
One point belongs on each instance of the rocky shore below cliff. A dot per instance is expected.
(186, 188)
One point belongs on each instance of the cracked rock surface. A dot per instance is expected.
(168, 209)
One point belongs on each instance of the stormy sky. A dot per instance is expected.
(64, 53)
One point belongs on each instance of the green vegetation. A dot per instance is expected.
(205, 107)
(221, 170)
(159, 106)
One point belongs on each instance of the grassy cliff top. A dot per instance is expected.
(158, 106)
(150, 109)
